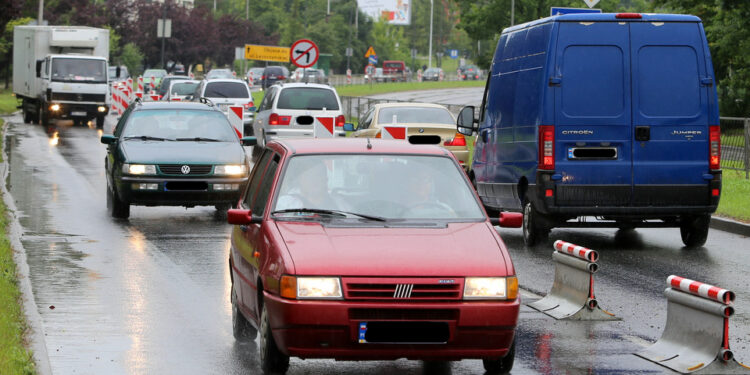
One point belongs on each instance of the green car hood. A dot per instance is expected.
(182, 152)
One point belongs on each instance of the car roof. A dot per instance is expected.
(409, 104)
(235, 80)
(173, 105)
(302, 84)
(310, 146)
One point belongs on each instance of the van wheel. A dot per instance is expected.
(534, 227)
(502, 365)
(241, 328)
(272, 360)
(694, 230)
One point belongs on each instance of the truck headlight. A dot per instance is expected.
(54, 107)
(491, 288)
(138, 169)
(101, 109)
(311, 287)
(231, 169)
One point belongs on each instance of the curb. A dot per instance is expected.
(729, 225)
(37, 343)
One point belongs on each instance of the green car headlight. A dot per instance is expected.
(138, 169)
(230, 169)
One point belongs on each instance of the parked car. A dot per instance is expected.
(273, 74)
(220, 74)
(112, 73)
(165, 83)
(289, 110)
(152, 74)
(257, 76)
(385, 220)
(632, 139)
(228, 92)
(394, 70)
(432, 74)
(174, 154)
(181, 90)
(297, 75)
(425, 124)
(376, 76)
(469, 73)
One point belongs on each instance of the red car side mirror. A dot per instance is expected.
(508, 220)
(240, 217)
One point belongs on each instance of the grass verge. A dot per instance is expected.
(735, 191)
(15, 358)
(385, 88)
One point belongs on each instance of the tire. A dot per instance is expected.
(43, 116)
(27, 117)
(694, 230)
(534, 228)
(77, 122)
(117, 208)
(272, 360)
(502, 365)
(99, 122)
(241, 328)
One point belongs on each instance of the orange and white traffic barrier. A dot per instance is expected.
(152, 83)
(250, 81)
(572, 294)
(323, 127)
(441, 75)
(419, 75)
(696, 335)
(140, 84)
(235, 115)
(348, 76)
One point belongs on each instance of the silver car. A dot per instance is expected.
(291, 109)
(225, 93)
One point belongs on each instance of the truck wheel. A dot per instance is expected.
(27, 118)
(43, 116)
(694, 230)
(502, 365)
(535, 229)
(99, 122)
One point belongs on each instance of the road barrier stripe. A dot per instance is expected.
(701, 289)
(577, 251)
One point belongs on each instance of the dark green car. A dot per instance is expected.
(174, 154)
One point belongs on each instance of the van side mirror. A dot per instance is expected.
(466, 123)
(38, 68)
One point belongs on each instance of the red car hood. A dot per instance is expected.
(461, 249)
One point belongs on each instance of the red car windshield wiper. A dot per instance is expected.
(329, 212)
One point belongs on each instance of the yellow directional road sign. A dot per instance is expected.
(266, 53)
(370, 52)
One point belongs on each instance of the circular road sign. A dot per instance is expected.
(304, 53)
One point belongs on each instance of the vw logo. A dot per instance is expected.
(421, 130)
(185, 169)
(80, 97)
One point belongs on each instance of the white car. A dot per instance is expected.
(289, 110)
(181, 90)
(225, 93)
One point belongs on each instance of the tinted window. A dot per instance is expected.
(258, 169)
(390, 186)
(273, 70)
(307, 98)
(226, 90)
(259, 204)
(158, 73)
(174, 124)
(414, 115)
(164, 85)
(184, 88)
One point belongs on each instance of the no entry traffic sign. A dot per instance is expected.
(304, 53)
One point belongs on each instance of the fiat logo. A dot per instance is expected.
(185, 169)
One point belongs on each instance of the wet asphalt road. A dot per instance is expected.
(150, 295)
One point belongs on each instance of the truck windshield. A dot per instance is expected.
(75, 70)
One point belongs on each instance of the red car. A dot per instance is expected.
(369, 249)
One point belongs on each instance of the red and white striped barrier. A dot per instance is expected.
(700, 289)
(572, 294)
(576, 251)
(250, 80)
(152, 83)
(348, 76)
(441, 76)
(419, 75)
(323, 127)
(235, 115)
(140, 84)
(393, 132)
(696, 334)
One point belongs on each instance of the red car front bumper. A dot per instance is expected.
(330, 329)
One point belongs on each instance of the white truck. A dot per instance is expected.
(60, 72)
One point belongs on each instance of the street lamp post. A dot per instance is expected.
(429, 59)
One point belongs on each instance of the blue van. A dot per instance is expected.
(606, 115)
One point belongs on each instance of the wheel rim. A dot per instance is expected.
(263, 336)
(526, 220)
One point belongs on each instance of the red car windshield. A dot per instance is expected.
(385, 186)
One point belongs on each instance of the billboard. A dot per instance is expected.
(396, 12)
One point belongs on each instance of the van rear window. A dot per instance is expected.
(668, 81)
(226, 90)
(307, 98)
(593, 81)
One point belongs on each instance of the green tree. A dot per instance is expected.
(131, 57)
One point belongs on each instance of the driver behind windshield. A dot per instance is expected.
(307, 189)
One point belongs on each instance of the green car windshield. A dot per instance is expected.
(170, 124)
(389, 187)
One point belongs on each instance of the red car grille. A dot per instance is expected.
(409, 289)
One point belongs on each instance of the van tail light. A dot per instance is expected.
(630, 16)
(275, 119)
(458, 140)
(262, 77)
(340, 120)
(282, 77)
(547, 147)
(714, 156)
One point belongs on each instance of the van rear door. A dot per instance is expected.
(593, 125)
(670, 114)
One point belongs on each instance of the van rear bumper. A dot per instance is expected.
(644, 201)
